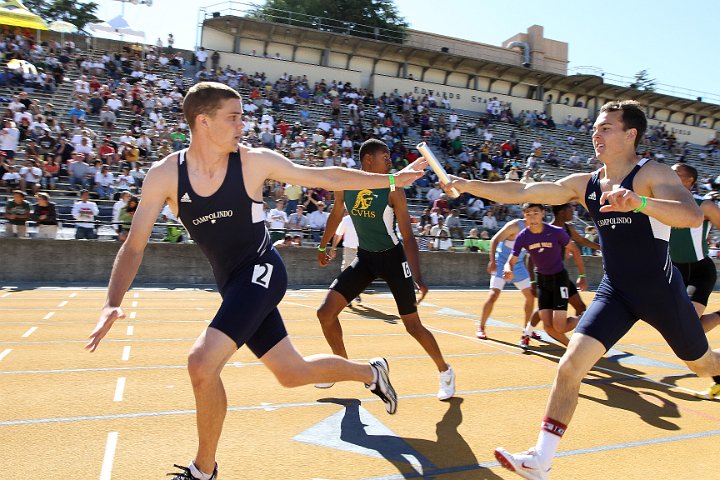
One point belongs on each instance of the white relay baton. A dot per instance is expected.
(436, 166)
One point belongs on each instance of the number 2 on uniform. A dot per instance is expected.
(406, 270)
(261, 274)
(563, 292)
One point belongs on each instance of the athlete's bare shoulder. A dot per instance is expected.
(162, 177)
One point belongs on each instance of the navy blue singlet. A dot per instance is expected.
(635, 247)
(640, 281)
(228, 226)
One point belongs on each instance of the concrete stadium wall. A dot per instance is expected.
(76, 261)
(54, 262)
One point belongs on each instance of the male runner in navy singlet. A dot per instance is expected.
(215, 188)
(634, 204)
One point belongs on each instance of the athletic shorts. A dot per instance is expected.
(389, 265)
(553, 290)
(499, 283)
(248, 313)
(665, 306)
(699, 278)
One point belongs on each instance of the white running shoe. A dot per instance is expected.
(447, 384)
(382, 386)
(324, 385)
(525, 464)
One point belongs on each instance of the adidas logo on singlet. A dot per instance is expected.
(186, 198)
(592, 196)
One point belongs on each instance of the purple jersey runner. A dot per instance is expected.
(545, 248)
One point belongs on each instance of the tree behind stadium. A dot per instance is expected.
(75, 12)
(378, 19)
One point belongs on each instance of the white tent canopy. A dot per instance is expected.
(116, 29)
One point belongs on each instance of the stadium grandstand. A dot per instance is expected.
(95, 114)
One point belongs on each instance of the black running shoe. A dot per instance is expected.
(382, 387)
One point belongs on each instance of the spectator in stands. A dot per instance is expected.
(76, 113)
(96, 103)
(17, 213)
(441, 205)
(201, 56)
(84, 212)
(125, 217)
(439, 226)
(434, 193)
(473, 243)
(9, 139)
(489, 221)
(104, 181)
(442, 242)
(51, 171)
(574, 160)
(107, 118)
(46, 143)
(452, 220)
(45, 215)
(30, 176)
(286, 241)
(10, 179)
(178, 139)
(298, 220)
(125, 181)
(474, 207)
(317, 221)
(277, 219)
(124, 196)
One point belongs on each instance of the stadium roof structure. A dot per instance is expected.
(14, 13)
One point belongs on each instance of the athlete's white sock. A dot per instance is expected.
(197, 473)
(551, 432)
(529, 329)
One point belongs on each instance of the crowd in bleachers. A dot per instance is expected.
(86, 126)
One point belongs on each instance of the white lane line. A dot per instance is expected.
(136, 295)
(5, 353)
(29, 332)
(73, 295)
(5, 294)
(106, 472)
(62, 304)
(126, 353)
(48, 316)
(133, 315)
(133, 304)
(119, 389)
(130, 330)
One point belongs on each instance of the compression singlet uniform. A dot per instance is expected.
(373, 218)
(228, 226)
(640, 280)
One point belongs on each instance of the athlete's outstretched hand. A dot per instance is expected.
(412, 172)
(619, 200)
(423, 289)
(455, 182)
(107, 318)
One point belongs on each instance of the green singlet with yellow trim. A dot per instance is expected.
(689, 245)
(373, 218)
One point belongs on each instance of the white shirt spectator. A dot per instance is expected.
(9, 138)
(114, 103)
(324, 125)
(104, 180)
(31, 174)
(489, 222)
(277, 218)
(433, 194)
(125, 182)
(84, 213)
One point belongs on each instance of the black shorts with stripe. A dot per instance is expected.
(390, 265)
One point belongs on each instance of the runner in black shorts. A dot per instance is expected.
(546, 246)
(634, 204)
(689, 253)
(380, 255)
(562, 216)
(215, 188)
